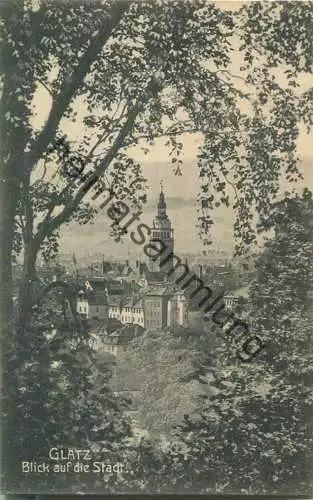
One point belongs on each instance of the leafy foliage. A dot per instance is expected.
(88, 57)
(154, 368)
(254, 434)
(61, 399)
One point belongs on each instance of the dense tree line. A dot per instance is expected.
(254, 435)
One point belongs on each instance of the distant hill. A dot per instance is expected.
(172, 203)
(92, 239)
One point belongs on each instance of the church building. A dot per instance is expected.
(165, 304)
(158, 302)
(162, 237)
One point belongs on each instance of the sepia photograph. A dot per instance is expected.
(156, 245)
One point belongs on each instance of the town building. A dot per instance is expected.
(92, 299)
(106, 337)
(233, 299)
(164, 304)
(141, 294)
(177, 310)
(92, 305)
(162, 234)
(156, 305)
(127, 310)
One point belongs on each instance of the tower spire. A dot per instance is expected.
(161, 204)
(163, 232)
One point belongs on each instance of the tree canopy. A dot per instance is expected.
(159, 370)
(127, 73)
(254, 435)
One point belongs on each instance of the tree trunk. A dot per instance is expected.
(9, 195)
(7, 211)
(26, 292)
(10, 421)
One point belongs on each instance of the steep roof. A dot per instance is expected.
(126, 270)
(126, 301)
(134, 301)
(158, 291)
(97, 299)
(243, 291)
(99, 282)
(143, 268)
(161, 202)
(106, 266)
(123, 335)
(151, 276)
(155, 276)
(104, 327)
(115, 301)
(96, 325)
(116, 287)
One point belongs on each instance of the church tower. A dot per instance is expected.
(162, 236)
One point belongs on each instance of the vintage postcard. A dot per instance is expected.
(156, 247)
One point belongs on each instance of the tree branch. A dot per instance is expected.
(170, 132)
(28, 211)
(67, 292)
(232, 184)
(205, 72)
(71, 85)
(49, 225)
(163, 134)
(44, 169)
(20, 223)
(45, 86)
(106, 133)
(227, 72)
(88, 157)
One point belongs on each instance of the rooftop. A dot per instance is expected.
(242, 291)
(123, 334)
(126, 301)
(104, 326)
(97, 299)
(97, 326)
(115, 301)
(159, 291)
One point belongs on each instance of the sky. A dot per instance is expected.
(156, 166)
